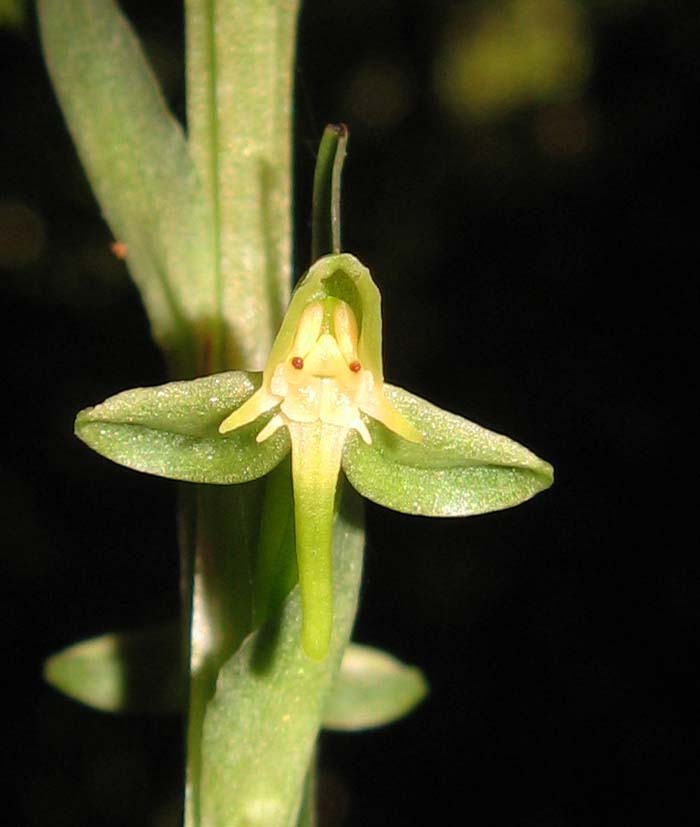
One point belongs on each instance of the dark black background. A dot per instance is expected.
(538, 273)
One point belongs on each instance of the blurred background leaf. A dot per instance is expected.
(136, 672)
(498, 57)
(13, 13)
(372, 689)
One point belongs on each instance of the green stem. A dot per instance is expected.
(307, 813)
(239, 100)
(261, 727)
(219, 534)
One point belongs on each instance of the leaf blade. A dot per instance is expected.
(136, 672)
(137, 161)
(373, 689)
(240, 65)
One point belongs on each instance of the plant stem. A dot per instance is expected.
(219, 528)
(239, 101)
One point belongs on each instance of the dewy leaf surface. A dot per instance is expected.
(373, 688)
(172, 431)
(262, 723)
(459, 469)
(137, 160)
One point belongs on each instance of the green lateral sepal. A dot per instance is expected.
(456, 470)
(172, 431)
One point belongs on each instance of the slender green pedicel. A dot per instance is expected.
(323, 378)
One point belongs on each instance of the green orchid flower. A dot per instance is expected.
(322, 396)
(323, 377)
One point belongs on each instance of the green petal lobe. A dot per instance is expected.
(172, 431)
(459, 468)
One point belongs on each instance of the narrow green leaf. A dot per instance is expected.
(137, 160)
(240, 58)
(270, 699)
(137, 672)
(372, 689)
(172, 431)
(459, 469)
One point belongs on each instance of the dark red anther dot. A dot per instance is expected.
(297, 362)
(355, 367)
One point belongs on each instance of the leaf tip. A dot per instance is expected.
(82, 419)
(546, 473)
